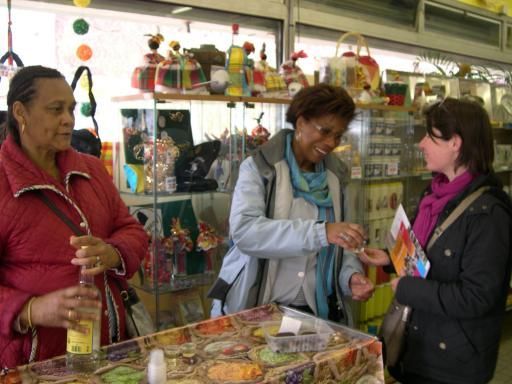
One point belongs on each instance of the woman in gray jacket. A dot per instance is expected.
(457, 311)
(286, 219)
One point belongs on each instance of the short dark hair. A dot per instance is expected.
(470, 121)
(23, 88)
(320, 100)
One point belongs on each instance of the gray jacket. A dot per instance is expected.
(262, 229)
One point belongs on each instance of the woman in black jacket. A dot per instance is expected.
(458, 309)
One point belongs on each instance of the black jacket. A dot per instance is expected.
(454, 332)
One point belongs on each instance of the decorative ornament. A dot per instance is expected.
(84, 52)
(207, 241)
(86, 109)
(82, 3)
(81, 27)
(182, 244)
(84, 83)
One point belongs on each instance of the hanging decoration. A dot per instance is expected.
(84, 52)
(9, 70)
(80, 27)
(82, 3)
(86, 109)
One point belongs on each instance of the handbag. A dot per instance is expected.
(86, 140)
(138, 319)
(393, 329)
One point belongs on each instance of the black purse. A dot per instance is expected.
(85, 140)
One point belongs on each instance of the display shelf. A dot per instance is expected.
(132, 199)
(179, 283)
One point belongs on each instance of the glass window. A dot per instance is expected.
(320, 44)
(391, 12)
(462, 24)
(43, 34)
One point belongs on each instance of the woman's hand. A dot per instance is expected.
(347, 235)
(374, 256)
(95, 254)
(62, 308)
(362, 288)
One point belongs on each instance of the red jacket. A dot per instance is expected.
(35, 253)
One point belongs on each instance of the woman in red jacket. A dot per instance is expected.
(40, 258)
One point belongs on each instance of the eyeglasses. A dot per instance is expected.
(326, 132)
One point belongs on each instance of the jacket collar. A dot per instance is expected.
(23, 175)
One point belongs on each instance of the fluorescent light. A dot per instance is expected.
(180, 10)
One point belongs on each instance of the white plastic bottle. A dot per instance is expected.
(83, 350)
(157, 368)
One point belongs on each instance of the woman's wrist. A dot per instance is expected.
(26, 317)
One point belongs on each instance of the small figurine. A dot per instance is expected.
(292, 74)
(143, 77)
(182, 244)
(153, 58)
(168, 77)
(207, 241)
(259, 134)
(266, 78)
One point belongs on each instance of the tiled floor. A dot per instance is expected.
(503, 374)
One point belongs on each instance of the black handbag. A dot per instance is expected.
(393, 330)
(138, 320)
(85, 140)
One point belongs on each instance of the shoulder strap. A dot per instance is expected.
(455, 214)
(61, 215)
(92, 100)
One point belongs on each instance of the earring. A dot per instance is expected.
(298, 135)
(22, 128)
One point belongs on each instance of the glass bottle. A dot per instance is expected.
(83, 349)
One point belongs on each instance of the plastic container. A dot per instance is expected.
(313, 335)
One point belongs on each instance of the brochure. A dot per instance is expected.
(405, 251)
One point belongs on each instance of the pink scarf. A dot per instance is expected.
(432, 205)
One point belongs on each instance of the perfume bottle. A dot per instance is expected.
(83, 349)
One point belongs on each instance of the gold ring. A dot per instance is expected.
(70, 312)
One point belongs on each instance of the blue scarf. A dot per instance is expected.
(312, 187)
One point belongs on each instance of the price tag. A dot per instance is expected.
(356, 173)
(392, 169)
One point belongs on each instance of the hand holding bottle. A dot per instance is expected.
(95, 254)
(59, 308)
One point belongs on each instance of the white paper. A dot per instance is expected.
(289, 324)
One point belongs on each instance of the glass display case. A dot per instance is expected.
(176, 160)
(386, 168)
